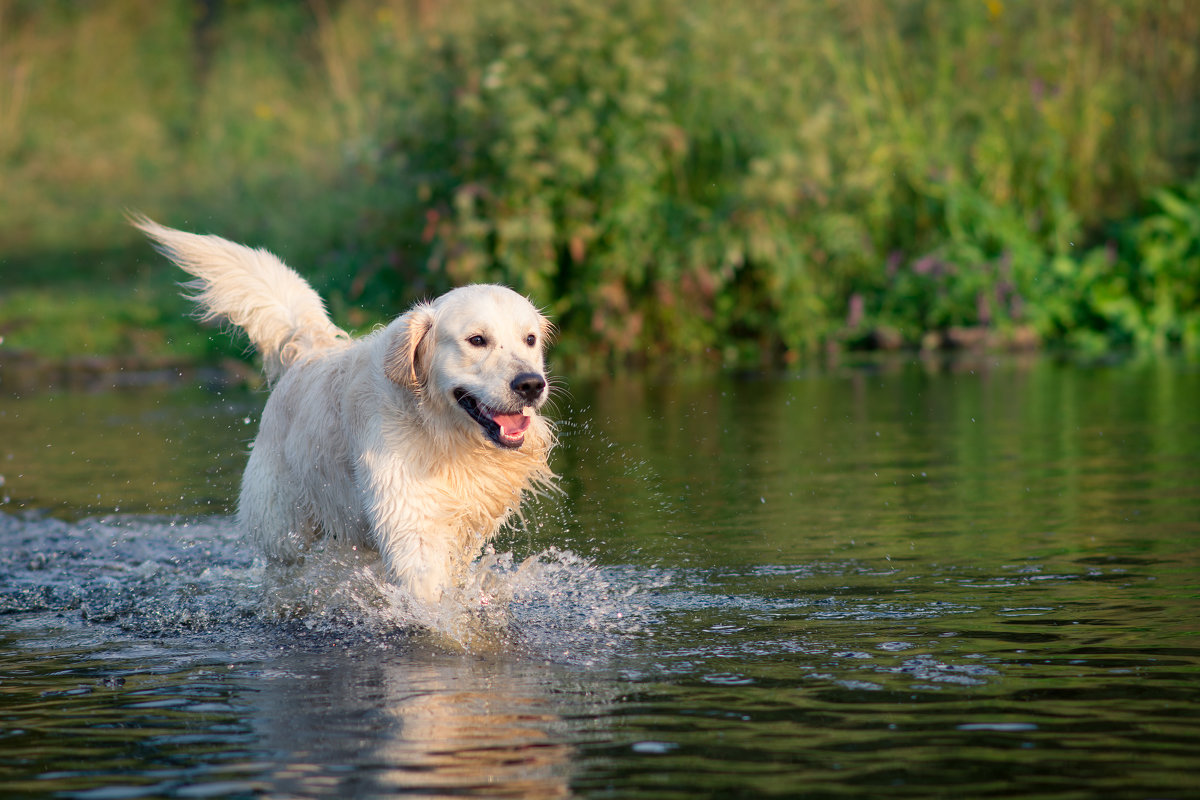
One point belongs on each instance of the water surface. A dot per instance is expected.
(909, 581)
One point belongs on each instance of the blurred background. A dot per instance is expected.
(676, 181)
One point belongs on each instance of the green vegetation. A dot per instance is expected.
(677, 179)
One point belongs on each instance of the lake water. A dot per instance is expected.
(907, 581)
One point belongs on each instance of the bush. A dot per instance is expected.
(751, 180)
(1143, 289)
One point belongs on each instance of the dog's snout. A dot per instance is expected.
(529, 385)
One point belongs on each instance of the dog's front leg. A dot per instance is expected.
(405, 521)
(416, 561)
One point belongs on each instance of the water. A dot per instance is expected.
(910, 581)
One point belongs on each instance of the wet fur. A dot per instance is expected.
(362, 439)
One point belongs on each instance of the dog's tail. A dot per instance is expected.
(283, 316)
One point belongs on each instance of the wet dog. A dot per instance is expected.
(419, 440)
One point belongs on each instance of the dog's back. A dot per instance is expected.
(284, 318)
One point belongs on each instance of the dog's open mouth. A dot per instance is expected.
(505, 428)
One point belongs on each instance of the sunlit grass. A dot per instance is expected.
(59, 323)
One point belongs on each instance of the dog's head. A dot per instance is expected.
(476, 355)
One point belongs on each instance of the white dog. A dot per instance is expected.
(418, 440)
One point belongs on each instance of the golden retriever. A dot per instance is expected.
(419, 439)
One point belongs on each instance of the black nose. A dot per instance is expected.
(529, 385)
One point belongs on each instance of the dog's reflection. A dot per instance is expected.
(385, 722)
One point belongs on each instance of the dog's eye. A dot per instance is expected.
(531, 340)
(477, 341)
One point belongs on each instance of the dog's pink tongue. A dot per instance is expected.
(512, 425)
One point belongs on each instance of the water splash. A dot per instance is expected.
(155, 576)
(553, 604)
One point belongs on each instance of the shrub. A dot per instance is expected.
(750, 180)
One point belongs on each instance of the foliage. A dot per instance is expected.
(686, 177)
(1144, 288)
(732, 182)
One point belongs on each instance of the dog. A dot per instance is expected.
(419, 440)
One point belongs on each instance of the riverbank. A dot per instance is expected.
(672, 181)
(24, 372)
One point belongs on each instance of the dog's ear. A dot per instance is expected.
(402, 363)
(548, 330)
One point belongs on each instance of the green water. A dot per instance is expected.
(903, 581)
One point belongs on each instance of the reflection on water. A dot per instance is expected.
(440, 724)
(373, 722)
(897, 582)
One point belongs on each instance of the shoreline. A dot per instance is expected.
(25, 372)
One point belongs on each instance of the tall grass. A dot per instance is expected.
(678, 178)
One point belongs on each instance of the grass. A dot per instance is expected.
(59, 323)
